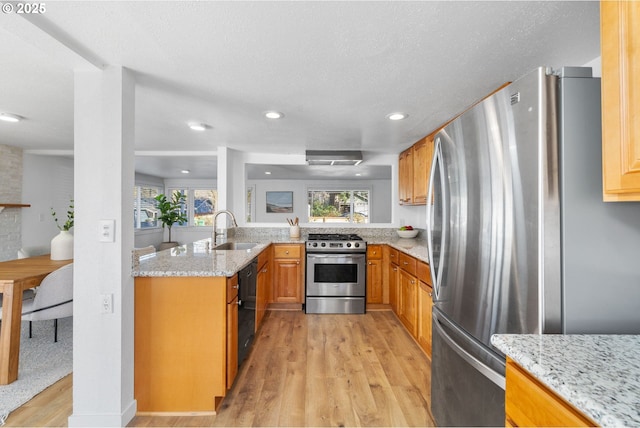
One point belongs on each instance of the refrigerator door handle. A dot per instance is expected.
(436, 164)
(485, 370)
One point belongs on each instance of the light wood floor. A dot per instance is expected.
(303, 370)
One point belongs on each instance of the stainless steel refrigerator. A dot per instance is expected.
(519, 238)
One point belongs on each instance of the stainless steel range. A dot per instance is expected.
(336, 274)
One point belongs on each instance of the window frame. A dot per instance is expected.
(341, 189)
(190, 203)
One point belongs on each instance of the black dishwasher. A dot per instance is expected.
(246, 308)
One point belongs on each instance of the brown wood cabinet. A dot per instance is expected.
(288, 273)
(408, 301)
(232, 330)
(180, 349)
(620, 45)
(530, 403)
(393, 270)
(374, 273)
(405, 177)
(425, 302)
(263, 285)
(414, 166)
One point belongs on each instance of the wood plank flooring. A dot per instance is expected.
(309, 370)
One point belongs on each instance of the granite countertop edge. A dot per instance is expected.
(597, 374)
(198, 260)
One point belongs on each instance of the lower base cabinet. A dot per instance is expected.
(288, 273)
(530, 403)
(232, 330)
(180, 344)
(263, 285)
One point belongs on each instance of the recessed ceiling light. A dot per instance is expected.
(358, 174)
(267, 172)
(273, 115)
(199, 126)
(185, 171)
(10, 117)
(397, 116)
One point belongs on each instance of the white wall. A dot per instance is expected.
(47, 183)
(380, 203)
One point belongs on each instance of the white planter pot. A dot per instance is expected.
(62, 246)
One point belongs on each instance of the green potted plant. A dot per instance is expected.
(170, 213)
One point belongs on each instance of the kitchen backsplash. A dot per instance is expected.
(262, 233)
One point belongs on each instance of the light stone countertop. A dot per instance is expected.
(597, 374)
(197, 259)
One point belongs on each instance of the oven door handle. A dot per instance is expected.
(336, 255)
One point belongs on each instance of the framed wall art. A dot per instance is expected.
(279, 202)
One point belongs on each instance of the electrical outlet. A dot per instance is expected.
(106, 303)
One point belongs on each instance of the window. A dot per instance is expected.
(339, 206)
(199, 206)
(145, 213)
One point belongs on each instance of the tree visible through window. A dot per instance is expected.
(338, 206)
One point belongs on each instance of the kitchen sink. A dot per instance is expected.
(235, 246)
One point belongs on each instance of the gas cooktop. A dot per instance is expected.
(334, 237)
(336, 243)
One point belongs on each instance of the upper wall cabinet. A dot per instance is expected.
(620, 44)
(414, 165)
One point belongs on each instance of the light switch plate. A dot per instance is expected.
(107, 231)
(106, 303)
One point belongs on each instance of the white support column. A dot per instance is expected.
(103, 181)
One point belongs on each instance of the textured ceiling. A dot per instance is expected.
(335, 69)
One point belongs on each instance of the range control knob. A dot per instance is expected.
(348, 244)
(356, 245)
(323, 244)
(315, 244)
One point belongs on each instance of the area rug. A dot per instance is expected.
(42, 363)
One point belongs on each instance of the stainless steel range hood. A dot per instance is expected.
(334, 157)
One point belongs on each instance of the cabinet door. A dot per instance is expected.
(374, 281)
(287, 278)
(393, 286)
(620, 44)
(405, 177)
(232, 341)
(262, 292)
(424, 317)
(408, 308)
(422, 154)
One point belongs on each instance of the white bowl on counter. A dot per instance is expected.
(407, 233)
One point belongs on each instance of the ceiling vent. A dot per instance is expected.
(334, 157)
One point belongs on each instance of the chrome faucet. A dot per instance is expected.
(215, 217)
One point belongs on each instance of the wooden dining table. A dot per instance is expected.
(15, 277)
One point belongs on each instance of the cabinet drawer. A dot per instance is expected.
(407, 263)
(232, 287)
(374, 251)
(424, 272)
(286, 251)
(393, 256)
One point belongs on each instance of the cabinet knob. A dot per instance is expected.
(236, 286)
(286, 251)
(406, 263)
(369, 263)
(430, 294)
(412, 281)
(264, 270)
(395, 269)
(297, 263)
